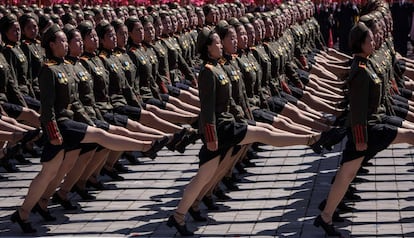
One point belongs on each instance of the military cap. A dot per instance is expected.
(202, 39)
(234, 22)
(244, 20)
(49, 34)
(221, 27)
(102, 28)
(357, 36)
(85, 28)
(146, 19)
(68, 28)
(6, 22)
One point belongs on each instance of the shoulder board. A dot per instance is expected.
(208, 66)
(38, 42)
(253, 47)
(133, 49)
(9, 46)
(50, 63)
(222, 61)
(67, 62)
(26, 42)
(362, 65)
(117, 54)
(84, 58)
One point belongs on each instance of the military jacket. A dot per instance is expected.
(9, 90)
(163, 67)
(215, 99)
(16, 58)
(272, 48)
(144, 64)
(178, 67)
(184, 43)
(59, 96)
(239, 96)
(249, 77)
(34, 54)
(100, 77)
(118, 83)
(156, 78)
(85, 88)
(265, 65)
(365, 97)
(130, 69)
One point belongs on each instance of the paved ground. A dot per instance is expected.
(278, 198)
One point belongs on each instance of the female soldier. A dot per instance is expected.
(63, 133)
(219, 128)
(32, 49)
(10, 31)
(367, 134)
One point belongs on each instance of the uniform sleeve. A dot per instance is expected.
(207, 92)
(358, 99)
(47, 100)
(183, 66)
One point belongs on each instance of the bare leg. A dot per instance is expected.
(96, 164)
(193, 189)
(150, 119)
(75, 173)
(171, 116)
(70, 159)
(189, 98)
(30, 116)
(39, 184)
(184, 106)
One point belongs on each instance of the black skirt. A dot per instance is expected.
(380, 136)
(229, 134)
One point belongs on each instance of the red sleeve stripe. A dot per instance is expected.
(210, 132)
(53, 130)
(359, 134)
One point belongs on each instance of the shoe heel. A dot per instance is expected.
(316, 223)
(170, 222)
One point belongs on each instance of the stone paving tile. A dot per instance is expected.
(278, 198)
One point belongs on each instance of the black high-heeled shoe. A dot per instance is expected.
(65, 203)
(47, 216)
(210, 204)
(156, 146)
(196, 215)
(25, 225)
(328, 228)
(182, 229)
(83, 193)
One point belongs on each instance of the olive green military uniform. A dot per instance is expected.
(34, 54)
(9, 91)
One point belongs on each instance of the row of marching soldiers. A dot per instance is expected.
(130, 84)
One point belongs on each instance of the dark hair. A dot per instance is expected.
(25, 18)
(223, 28)
(85, 28)
(357, 37)
(204, 39)
(66, 18)
(130, 23)
(102, 28)
(6, 23)
(49, 36)
(70, 31)
(117, 24)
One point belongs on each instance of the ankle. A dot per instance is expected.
(23, 214)
(326, 218)
(179, 218)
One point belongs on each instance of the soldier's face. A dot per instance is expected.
(149, 30)
(250, 34)
(109, 40)
(174, 24)
(60, 45)
(241, 37)
(167, 25)
(14, 33)
(76, 45)
(201, 18)
(258, 30)
(137, 34)
(215, 49)
(91, 41)
(31, 30)
(122, 36)
(368, 46)
(158, 28)
(230, 42)
(270, 29)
